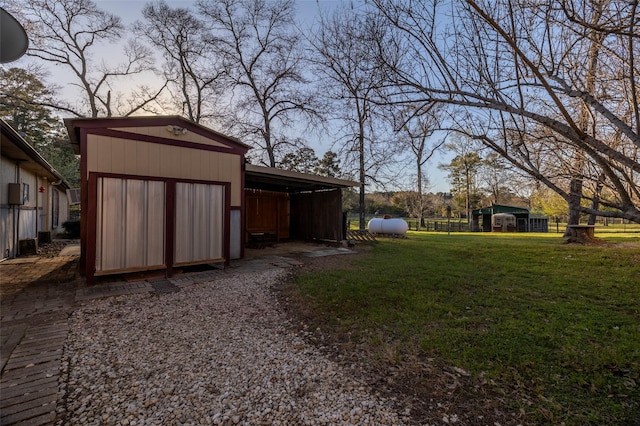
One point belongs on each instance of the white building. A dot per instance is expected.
(33, 199)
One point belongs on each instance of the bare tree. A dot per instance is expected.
(593, 45)
(522, 77)
(418, 126)
(345, 44)
(70, 33)
(497, 177)
(261, 51)
(191, 66)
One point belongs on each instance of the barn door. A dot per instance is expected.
(130, 231)
(199, 223)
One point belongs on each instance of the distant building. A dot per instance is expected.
(500, 218)
(33, 200)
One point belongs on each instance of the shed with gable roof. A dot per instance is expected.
(156, 193)
(162, 192)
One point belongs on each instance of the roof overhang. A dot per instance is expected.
(16, 148)
(499, 208)
(75, 124)
(272, 179)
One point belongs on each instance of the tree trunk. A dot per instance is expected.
(584, 119)
(583, 234)
(575, 196)
(266, 135)
(420, 205)
(362, 178)
(468, 197)
(361, 222)
(594, 205)
(595, 201)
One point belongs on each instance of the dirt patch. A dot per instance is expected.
(433, 392)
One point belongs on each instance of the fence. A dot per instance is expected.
(439, 225)
(431, 225)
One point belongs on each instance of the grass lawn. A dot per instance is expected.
(552, 328)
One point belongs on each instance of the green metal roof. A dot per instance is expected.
(498, 208)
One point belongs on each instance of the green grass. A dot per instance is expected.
(557, 323)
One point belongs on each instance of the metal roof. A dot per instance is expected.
(272, 179)
(499, 208)
(15, 147)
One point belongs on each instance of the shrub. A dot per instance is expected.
(72, 229)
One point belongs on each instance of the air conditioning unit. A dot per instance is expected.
(16, 194)
(73, 195)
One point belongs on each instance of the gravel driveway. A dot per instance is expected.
(219, 352)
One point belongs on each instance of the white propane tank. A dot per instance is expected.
(388, 226)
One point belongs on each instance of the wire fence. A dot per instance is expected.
(430, 224)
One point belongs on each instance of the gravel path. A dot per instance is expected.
(214, 353)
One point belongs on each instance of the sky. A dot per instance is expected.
(307, 12)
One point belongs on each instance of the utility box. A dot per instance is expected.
(28, 247)
(16, 191)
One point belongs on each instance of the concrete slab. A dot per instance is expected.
(328, 252)
(290, 248)
(70, 250)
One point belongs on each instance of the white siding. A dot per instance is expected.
(7, 231)
(7, 222)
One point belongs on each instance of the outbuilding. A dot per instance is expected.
(156, 193)
(164, 192)
(33, 200)
(501, 218)
(283, 204)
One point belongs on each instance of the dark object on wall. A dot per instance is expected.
(16, 196)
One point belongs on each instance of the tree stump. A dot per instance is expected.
(582, 234)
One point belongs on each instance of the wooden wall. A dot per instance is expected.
(317, 215)
(266, 213)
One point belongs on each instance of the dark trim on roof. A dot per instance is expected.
(500, 208)
(13, 137)
(272, 179)
(74, 124)
(228, 148)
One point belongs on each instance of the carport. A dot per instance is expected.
(283, 204)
